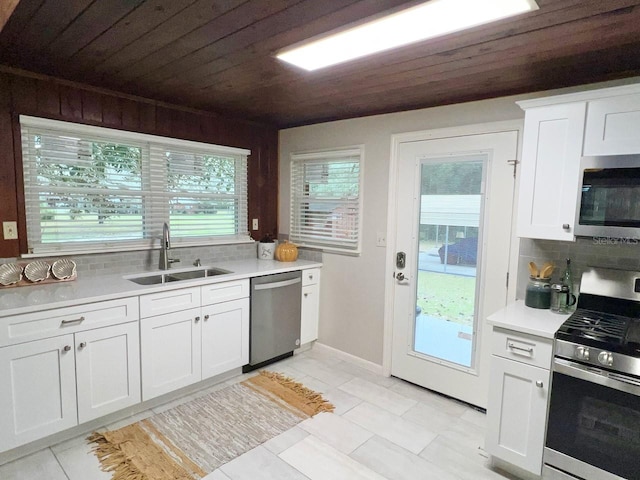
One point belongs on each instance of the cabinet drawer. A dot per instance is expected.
(59, 321)
(522, 347)
(310, 276)
(224, 292)
(169, 302)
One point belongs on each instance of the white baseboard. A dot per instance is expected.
(347, 357)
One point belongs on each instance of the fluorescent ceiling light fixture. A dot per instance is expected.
(429, 20)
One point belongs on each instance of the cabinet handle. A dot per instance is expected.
(310, 277)
(71, 322)
(539, 384)
(306, 295)
(566, 226)
(522, 349)
(206, 317)
(197, 319)
(66, 348)
(82, 345)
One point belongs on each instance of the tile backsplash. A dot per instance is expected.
(584, 252)
(123, 263)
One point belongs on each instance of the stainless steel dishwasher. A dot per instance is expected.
(275, 318)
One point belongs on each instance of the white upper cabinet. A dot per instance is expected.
(551, 151)
(558, 131)
(613, 126)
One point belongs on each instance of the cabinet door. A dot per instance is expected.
(38, 393)
(225, 337)
(613, 126)
(107, 370)
(170, 352)
(516, 413)
(549, 177)
(310, 313)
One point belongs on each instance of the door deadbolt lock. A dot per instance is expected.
(401, 260)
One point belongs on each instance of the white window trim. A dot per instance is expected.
(328, 154)
(134, 138)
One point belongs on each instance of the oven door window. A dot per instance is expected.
(595, 424)
(610, 197)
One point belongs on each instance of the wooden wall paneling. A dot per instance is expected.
(91, 107)
(8, 200)
(48, 99)
(19, 188)
(55, 99)
(147, 112)
(164, 119)
(70, 104)
(24, 96)
(14, 28)
(111, 111)
(130, 114)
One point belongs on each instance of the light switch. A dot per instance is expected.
(10, 230)
(254, 225)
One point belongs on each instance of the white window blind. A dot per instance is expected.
(92, 189)
(326, 200)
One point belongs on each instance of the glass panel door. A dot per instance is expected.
(450, 219)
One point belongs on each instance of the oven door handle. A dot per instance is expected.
(601, 377)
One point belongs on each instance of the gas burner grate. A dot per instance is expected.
(596, 325)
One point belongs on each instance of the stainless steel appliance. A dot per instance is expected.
(593, 430)
(275, 318)
(608, 197)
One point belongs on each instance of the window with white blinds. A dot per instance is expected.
(326, 199)
(92, 189)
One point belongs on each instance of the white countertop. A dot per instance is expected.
(534, 321)
(88, 288)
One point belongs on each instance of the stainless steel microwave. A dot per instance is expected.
(609, 197)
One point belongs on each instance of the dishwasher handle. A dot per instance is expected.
(269, 286)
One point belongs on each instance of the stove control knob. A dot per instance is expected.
(605, 358)
(582, 353)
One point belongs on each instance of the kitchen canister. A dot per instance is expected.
(538, 293)
(266, 249)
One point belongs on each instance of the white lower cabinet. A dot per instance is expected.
(518, 398)
(170, 352)
(186, 346)
(107, 370)
(516, 420)
(56, 383)
(38, 394)
(310, 308)
(225, 337)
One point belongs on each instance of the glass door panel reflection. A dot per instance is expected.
(450, 219)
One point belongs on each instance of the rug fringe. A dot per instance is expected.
(311, 398)
(113, 460)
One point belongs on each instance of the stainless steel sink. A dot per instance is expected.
(150, 280)
(177, 276)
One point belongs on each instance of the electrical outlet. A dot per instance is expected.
(10, 230)
(381, 239)
(254, 224)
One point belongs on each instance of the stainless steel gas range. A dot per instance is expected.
(593, 430)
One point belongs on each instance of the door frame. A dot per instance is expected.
(435, 134)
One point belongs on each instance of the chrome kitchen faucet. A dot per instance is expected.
(165, 260)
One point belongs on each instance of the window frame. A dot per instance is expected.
(146, 142)
(331, 245)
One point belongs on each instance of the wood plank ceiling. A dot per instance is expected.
(219, 55)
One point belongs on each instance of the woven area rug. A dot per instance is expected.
(189, 441)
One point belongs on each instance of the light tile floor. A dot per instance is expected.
(383, 428)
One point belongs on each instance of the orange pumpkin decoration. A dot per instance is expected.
(286, 252)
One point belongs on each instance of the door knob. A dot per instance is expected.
(400, 276)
